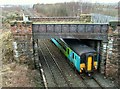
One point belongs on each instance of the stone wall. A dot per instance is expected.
(118, 57)
(22, 40)
(119, 61)
(112, 62)
(110, 56)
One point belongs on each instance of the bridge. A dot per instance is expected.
(92, 17)
(71, 30)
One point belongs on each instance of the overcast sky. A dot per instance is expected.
(23, 2)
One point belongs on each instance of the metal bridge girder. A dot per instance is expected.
(84, 31)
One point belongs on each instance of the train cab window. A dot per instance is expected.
(83, 58)
(95, 57)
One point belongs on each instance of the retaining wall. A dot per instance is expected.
(113, 56)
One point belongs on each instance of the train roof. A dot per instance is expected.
(78, 46)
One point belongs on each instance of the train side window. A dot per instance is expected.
(68, 51)
(64, 48)
(73, 56)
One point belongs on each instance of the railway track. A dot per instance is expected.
(91, 82)
(49, 78)
(38, 66)
(103, 81)
(58, 79)
(57, 72)
(62, 72)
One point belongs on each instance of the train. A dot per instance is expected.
(84, 58)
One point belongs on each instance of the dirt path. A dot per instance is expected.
(16, 75)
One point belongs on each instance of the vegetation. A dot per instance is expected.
(9, 14)
(6, 47)
(76, 8)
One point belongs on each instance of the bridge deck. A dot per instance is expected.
(70, 30)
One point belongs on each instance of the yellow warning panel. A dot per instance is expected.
(95, 63)
(82, 65)
(89, 66)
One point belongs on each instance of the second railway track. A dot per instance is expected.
(55, 75)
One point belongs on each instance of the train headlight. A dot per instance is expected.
(95, 67)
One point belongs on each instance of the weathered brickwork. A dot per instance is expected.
(22, 39)
(118, 57)
(113, 56)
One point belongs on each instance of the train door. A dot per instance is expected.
(76, 61)
(89, 63)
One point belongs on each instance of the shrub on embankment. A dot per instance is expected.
(6, 47)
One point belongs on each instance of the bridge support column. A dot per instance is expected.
(118, 58)
(22, 40)
(113, 57)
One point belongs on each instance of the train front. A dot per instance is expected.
(85, 55)
(89, 60)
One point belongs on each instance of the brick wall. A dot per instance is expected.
(22, 40)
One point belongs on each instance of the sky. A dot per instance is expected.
(26, 2)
